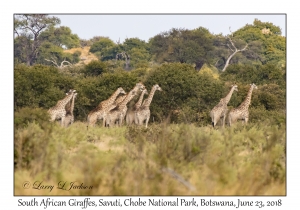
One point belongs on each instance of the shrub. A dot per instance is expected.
(95, 68)
(39, 86)
(26, 115)
(258, 74)
(182, 87)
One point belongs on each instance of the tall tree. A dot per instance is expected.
(182, 45)
(61, 36)
(272, 46)
(28, 28)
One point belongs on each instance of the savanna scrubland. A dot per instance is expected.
(180, 153)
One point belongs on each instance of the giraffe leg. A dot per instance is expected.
(120, 120)
(141, 120)
(136, 119)
(62, 121)
(92, 121)
(224, 117)
(104, 121)
(246, 117)
(147, 119)
(229, 120)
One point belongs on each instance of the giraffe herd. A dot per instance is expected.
(239, 113)
(113, 110)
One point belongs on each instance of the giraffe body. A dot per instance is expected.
(69, 119)
(59, 110)
(242, 111)
(143, 113)
(100, 112)
(130, 115)
(220, 110)
(105, 106)
(117, 114)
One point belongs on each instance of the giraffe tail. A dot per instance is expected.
(88, 122)
(212, 119)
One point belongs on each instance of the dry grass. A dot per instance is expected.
(161, 160)
(85, 56)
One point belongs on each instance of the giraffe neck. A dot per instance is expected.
(65, 101)
(247, 100)
(126, 100)
(139, 103)
(228, 97)
(148, 101)
(120, 99)
(113, 97)
(72, 104)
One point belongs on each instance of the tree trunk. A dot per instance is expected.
(199, 65)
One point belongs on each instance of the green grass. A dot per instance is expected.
(164, 159)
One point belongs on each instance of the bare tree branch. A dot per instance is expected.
(179, 178)
(65, 61)
(53, 60)
(234, 51)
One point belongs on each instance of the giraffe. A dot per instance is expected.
(104, 107)
(242, 112)
(69, 119)
(143, 113)
(115, 104)
(220, 110)
(131, 113)
(100, 111)
(138, 87)
(59, 110)
(120, 99)
(118, 112)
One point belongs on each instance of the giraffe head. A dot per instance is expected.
(121, 90)
(253, 86)
(140, 86)
(145, 91)
(71, 91)
(157, 87)
(235, 87)
(132, 93)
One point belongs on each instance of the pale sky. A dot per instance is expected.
(146, 26)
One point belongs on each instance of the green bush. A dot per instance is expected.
(95, 68)
(102, 44)
(93, 90)
(258, 74)
(39, 86)
(182, 87)
(263, 115)
(26, 115)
